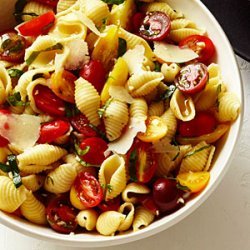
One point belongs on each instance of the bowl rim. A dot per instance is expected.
(102, 241)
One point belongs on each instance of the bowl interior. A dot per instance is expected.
(197, 12)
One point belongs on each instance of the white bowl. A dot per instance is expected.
(197, 12)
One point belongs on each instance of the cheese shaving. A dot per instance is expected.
(134, 59)
(125, 142)
(172, 53)
(120, 93)
(22, 131)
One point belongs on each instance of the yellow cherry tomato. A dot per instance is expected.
(156, 129)
(63, 85)
(195, 181)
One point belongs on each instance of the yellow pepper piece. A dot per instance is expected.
(106, 48)
(117, 77)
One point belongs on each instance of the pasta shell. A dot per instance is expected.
(142, 84)
(64, 5)
(5, 84)
(170, 71)
(133, 190)
(11, 197)
(115, 119)
(34, 169)
(128, 210)
(139, 109)
(156, 109)
(170, 120)
(87, 219)
(33, 210)
(198, 158)
(41, 154)
(182, 106)
(87, 100)
(143, 218)
(33, 182)
(112, 176)
(61, 179)
(109, 222)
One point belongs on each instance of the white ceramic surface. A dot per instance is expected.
(197, 12)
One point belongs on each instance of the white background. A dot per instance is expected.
(221, 223)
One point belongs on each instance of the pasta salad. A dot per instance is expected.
(110, 111)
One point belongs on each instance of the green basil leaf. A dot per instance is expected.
(168, 93)
(122, 47)
(99, 132)
(36, 76)
(20, 14)
(35, 54)
(196, 151)
(102, 110)
(6, 43)
(80, 151)
(12, 160)
(132, 165)
(113, 1)
(15, 100)
(15, 73)
(157, 67)
(5, 168)
(181, 187)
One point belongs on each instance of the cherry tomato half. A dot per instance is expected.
(195, 181)
(192, 78)
(81, 124)
(96, 148)
(3, 142)
(12, 47)
(52, 3)
(63, 85)
(88, 189)
(202, 45)
(166, 195)
(50, 131)
(149, 203)
(37, 26)
(203, 123)
(61, 215)
(95, 73)
(110, 205)
(48, 102)
(155, 26)
(144, 161)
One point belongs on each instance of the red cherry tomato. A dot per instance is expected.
(48, 102)
(12, 47)
(166, 195)
(203, 123)
(95, 73)
(52, 3)
(155, 26)
(61, 215)
(3, 142)
(192, 78)
(144, 161)
(202, 45)
(81, 124)
(110, 205)
(96, 148)
(88, 189)
(50, 131)
(137, 21)
(37, 26)
(149, 203)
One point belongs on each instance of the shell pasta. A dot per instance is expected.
(98, 113)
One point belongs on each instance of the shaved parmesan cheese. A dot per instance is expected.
(78, 54)
(172, 53)
(134, 59)
(164, 146)
(22, 131)
(125, 142)
(60, 60)
(88, 22)
(120, 93)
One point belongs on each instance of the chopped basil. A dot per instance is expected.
(15, 100)
(108, 187)
(181, 187)
(132, 165)
(99, 132)
(83, 163)
(5, 168)
(15, 73)
(15, 170)
(196, 151)
(157, 67)
(179, 151)
(6, 43)
(102, 110)
(113, 1)
(102, 27)
(168, 93)
(35, 54)
(80, 151)
(122, 47)
(217, 103)
(12, 45)
(71, 110)
(17, 14)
